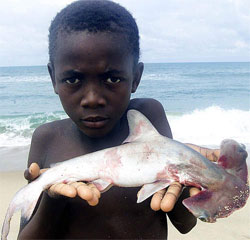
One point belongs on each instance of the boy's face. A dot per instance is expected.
(94, 75)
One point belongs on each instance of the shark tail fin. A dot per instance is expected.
(25, 200)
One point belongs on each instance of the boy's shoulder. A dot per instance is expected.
(150, 107)
(49, 130)
(146, 105)
(45, 137)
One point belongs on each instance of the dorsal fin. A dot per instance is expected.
(140, 128)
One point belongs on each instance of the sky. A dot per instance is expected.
(170, 30)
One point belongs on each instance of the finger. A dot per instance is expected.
(94, 189)
(156, 200)
(43, 170)
(96, 195)
(26, 174)
(62, 189)
(83, 190)
(94, 201)
(215, 155)
(32, 172)
(193, 191)
(171, 197)
(210, 154)
(88, 192)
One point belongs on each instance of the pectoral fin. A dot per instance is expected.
(149, 189)
(102, 185)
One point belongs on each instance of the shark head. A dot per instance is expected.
(227, 195)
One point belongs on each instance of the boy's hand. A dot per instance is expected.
(85, 191)
(166, 198)
(211, 154)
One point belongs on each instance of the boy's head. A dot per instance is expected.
(95, 16)
(94, 52)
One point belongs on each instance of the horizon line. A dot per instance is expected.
(143, 62)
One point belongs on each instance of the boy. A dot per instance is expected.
(94, 54)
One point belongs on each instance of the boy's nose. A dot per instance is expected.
(93, 99)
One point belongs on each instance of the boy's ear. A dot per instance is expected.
(137, 76)
(52, 76)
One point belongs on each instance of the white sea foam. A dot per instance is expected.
(17, 131)
(25, 79)
(208, 127)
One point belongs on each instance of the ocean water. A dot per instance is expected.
(204, 102)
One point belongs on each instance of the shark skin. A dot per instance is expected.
(152, 161)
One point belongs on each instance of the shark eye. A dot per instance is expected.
(242, 148)
(203, 219)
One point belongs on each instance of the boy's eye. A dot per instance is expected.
(113, 80)
(72, 81)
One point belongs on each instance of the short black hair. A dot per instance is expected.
(95, 16)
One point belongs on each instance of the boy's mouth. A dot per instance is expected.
(95, 121)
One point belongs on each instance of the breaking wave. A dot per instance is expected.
(209, 126)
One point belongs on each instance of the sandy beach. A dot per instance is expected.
(14, 158)
(235, 227)
(10, 183)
